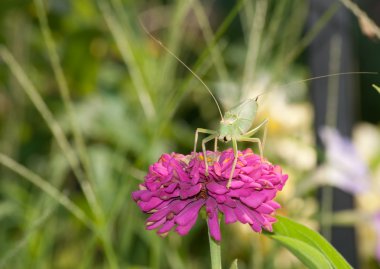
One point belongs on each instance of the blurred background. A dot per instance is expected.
(88, 101)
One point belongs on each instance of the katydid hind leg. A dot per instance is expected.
(253, 140)
(254, 130)
(265, 134)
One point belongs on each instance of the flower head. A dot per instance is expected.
(178, 186)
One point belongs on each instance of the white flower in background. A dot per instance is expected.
(367, 138)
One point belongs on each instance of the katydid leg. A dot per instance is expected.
(254, 130)
(203, 131)
(234, 145)
(252, 140)
(204, 141)
(216, 144)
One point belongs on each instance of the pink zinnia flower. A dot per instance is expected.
(176, 188)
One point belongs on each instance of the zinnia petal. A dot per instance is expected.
(216, 188)
(184, 229)
(229, 214)
(255, 199)
(166, 227)
(213, 224)
(189, 213)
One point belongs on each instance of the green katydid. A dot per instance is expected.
(236, 123)
(235, 126)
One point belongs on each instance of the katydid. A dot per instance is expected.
(236, 123)
(235, 126)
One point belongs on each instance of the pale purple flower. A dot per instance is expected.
(177, 188)
(343, 167)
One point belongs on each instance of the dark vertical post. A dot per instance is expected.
(331, 52)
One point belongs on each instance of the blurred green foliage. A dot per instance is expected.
(117, 102)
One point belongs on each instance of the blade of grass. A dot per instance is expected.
(246, 17)
(13, 251)
(160, 84)
(275, 27)
(124, 20)
(105, 237)
(55, 128)
(47, 188)
(100, 231)
(199, 66)
(254, 41)
(65, 147)
(65, 93)
(301, 45)
(120, 34)
(89, 255)
(208, 35)
(175, 43)
(310, 35)
(289, 31)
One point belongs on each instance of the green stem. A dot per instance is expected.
(216, 262)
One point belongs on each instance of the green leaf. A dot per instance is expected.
(284, 230)
(234, 264)
(306, 253)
